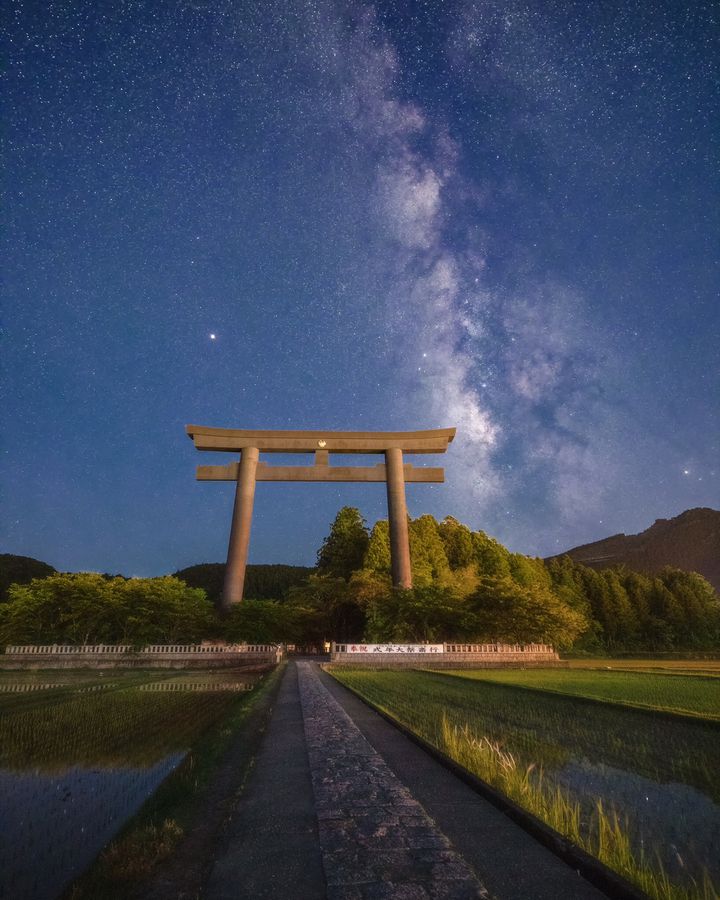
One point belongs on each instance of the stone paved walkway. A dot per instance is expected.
(376, 840)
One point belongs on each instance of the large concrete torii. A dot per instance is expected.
(249, 470)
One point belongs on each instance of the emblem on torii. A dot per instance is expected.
(394, 471)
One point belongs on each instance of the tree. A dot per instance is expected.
(334, 600)
(619, 618)
(377, 557)
(700, 624)
(492, 558)
(528, 571)
(507, 611)
(424, 613)
(427, 553)
(344, 549)
(260, 622)
(457, 541)
(85, 608)
(62, 608)
(162, 611)
(262, 582)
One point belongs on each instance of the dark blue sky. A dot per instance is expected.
(494, 215)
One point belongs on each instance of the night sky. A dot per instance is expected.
(498, 216)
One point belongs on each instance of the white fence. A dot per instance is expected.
(174, 656)
(173, 649)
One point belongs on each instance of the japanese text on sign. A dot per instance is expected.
(395, 648)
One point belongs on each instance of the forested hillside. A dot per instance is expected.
(466, 586)
(690, 541)
(20, 570)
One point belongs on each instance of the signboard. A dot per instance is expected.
(368, 649)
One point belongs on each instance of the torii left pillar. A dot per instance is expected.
(240, 528)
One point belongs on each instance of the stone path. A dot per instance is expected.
(324, 814)
(271, 847)
(376, 840)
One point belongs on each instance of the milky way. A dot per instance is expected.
(499, 216)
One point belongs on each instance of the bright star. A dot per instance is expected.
(686, 471)
(212, 336)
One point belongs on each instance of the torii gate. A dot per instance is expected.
(250, 470)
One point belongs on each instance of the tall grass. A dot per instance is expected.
(602, 834)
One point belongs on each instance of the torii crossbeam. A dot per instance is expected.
(394, 472)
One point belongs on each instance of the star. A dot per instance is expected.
(213, 336)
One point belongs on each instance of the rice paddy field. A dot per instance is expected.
(677, 693)
(625, 763)
(82, 751)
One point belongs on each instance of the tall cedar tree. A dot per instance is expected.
(344, 549)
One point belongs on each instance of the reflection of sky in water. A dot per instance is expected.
(675, 820)
(53, 826)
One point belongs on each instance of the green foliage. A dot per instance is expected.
(270, 622)
(632, 611)
(427, 553)
(458, 543)
(86, 608)
(20, 570)
(492, 558)
(377, 558)
(426, 613)
(507, 611)
(467, 586)
(344, 549)
(338, 613)
(262, 582)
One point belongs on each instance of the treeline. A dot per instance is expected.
(626, 610)
(466, 587)
(85, 608)
(262, 582)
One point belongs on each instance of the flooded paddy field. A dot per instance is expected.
(81, 751)
(637, 788)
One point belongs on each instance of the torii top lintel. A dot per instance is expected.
(365, 442)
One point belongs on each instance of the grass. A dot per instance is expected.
(601, 834)
(513, 739)
(684, 694)
(682, 666)
(113, 727)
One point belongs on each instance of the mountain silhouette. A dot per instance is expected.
(690, 541)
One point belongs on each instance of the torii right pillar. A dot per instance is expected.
(398, 519)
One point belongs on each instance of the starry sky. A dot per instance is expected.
(496, 215)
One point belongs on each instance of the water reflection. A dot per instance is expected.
(53, 826)
(79, 758)
(673, 821)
